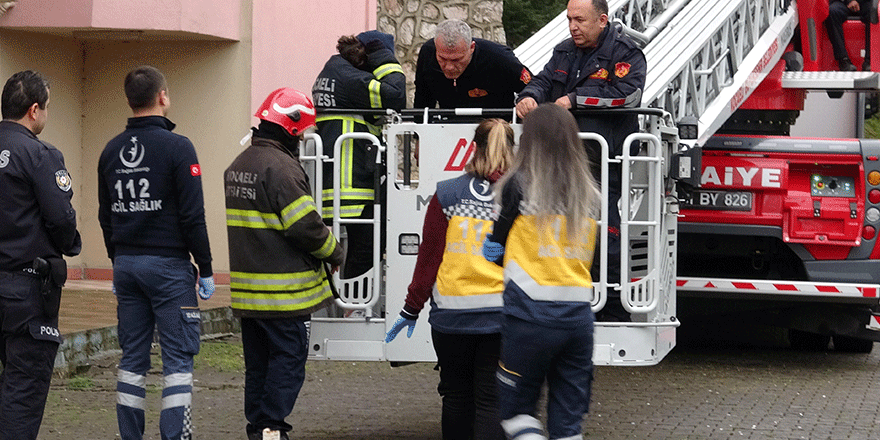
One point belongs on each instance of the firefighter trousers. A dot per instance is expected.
(30, 342)
(155, 292)
(275, 354)
(531, 353)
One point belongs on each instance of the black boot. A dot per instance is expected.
(846, 65)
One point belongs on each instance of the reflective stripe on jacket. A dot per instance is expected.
(277, 239)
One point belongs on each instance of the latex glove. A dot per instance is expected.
(404, 320)
(206, 287)
(492, 251)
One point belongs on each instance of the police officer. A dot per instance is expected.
(364, 75)
(598, 67)
(37, 227)
(279, 249)
(151, 210)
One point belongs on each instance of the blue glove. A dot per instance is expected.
(206, 287)
(492, 251)
(404, 320)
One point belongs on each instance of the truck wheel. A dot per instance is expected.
(801, 340)
(848, 344)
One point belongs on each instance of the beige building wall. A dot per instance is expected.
(60, 59)
(208, 83)
(210, 90)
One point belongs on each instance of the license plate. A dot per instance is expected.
(720, 200)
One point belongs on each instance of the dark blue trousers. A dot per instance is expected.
(531, 353)
(27, 353)
(275, 354)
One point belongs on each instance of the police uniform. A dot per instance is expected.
(277, 246)
(36, 221)
(610, 76)
(491, 80)
(548, 327)
(340, 85)
(151, 210)
(465, 292)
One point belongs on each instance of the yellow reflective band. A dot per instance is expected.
(353, 118)
(280, 302)
(327, 249)
(349, 194)
(344, 211)
(385, 69)
(275, 281)
(245, 218)
(375, 94)
(297, 210)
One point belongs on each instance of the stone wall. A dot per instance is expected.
(412, 22)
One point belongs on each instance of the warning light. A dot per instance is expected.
(868, 232)
(874, 178)
(874, 196)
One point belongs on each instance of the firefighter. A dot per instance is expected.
(278, 247)
(598, 67)
(464, 288)
(151, 210)
(544, 237)
(37, 226)
(455, 70)
(838, 12)
(364, 75)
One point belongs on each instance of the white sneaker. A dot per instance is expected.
(269, 434)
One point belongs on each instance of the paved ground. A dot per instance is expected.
(712, 386)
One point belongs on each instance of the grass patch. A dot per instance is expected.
(221, 356)
(872, 127)
(80, 383)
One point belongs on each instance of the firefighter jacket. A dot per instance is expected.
(36, 217)
(277, 240)
(610, 76)
(491, 80)
(546, 272)
(150, 194)
(340, 85)
(465, 289)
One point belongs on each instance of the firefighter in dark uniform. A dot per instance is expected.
(456, 70)
(598, 67)
(364, 75)
(37, 227)
(279, 250)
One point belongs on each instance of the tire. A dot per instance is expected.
(848, 344)
(806, 341)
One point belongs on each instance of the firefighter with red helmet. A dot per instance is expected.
(278, 245)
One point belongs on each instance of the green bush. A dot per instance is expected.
(522, 18)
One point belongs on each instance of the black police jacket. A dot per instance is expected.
(36, 217)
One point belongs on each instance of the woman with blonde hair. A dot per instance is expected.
(464, 288)
(544, 238)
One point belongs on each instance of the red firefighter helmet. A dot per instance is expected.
(291, 109)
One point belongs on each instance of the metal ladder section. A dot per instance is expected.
(638, 15)
(713, 55)
(705, 57)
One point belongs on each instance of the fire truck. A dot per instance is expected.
(723, 209)
(773, 229)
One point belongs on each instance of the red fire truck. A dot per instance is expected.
(782, 228)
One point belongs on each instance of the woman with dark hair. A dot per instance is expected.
(364, 75)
